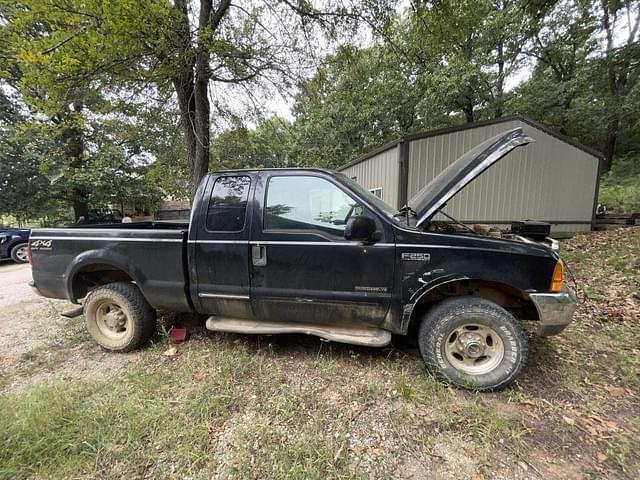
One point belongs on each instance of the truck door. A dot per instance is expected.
(220, 248)
(302, 268)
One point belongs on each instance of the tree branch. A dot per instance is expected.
(59, 44)
(219, 14)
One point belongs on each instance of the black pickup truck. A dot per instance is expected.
(310, 251)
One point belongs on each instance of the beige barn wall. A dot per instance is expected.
(380, 171)
(548, 180)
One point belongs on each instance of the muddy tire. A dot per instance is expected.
(19, 253)
(118, 317)
(472, 343)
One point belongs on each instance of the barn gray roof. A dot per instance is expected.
(467, 126)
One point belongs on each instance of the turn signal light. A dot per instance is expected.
(557, 277)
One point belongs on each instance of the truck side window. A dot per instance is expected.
(308, 203)
(228, 204)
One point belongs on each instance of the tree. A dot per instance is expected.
(466, 50)
(219, 51)
(23, 189)
(620, 22)
(40, 175)
(560, 44)
(266, 146)
(357, 100)
(581, 86)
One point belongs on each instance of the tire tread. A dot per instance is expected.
(143, 315)
(431, 322)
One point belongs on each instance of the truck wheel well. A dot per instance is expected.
(510, 298)
(95, 275)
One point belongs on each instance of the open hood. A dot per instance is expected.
(457, 175)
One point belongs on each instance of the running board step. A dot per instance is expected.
(370, 337)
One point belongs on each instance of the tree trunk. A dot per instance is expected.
(192, 85)
(80, 203)
(610, 145)
(72, 137)
(468, 111)
(200, 164)
(184, 86)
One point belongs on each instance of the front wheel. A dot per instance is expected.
(118, 317)
(473, 343)
(20, 253)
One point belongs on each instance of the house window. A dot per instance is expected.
(377, 192)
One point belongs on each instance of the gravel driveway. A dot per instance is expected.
(14, 283)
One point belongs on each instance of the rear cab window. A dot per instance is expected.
(227, 208)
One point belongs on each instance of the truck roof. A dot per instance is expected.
(288, 169)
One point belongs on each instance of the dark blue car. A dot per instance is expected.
(14, 244)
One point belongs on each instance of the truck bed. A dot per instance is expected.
(153, 225)
(65, 260)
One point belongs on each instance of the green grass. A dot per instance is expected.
(167, 418)
(620, 188)
(621, 448)
(260, 449)
(593, 294)
(573, 257)
(625, 259)
(325, 364)
(98, 428)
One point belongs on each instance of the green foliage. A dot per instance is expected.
(24, 190)
(357, 100)
(620, 188)
(464, 51)
(110, 99)
(79, 143)
(59, 46)
(267, 145)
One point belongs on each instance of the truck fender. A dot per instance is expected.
(407, 308)
(102, 257)
(488, 282)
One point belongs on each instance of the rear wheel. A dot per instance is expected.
(118, 317)
(20, 253)
(473, 343)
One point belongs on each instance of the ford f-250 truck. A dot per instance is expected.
(308, 250)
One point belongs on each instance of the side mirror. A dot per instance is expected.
(361, 228)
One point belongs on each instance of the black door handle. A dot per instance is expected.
(259, 255)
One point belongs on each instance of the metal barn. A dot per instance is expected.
(554, 179)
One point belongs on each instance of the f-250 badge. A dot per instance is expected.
(416, 257)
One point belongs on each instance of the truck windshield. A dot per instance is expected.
(388, 210)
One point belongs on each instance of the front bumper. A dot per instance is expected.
(555, 311)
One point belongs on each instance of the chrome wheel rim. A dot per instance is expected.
(22, 254)
(474, 349)
(112, 321)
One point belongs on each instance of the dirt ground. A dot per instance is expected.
(295, 407)
(31, 328)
